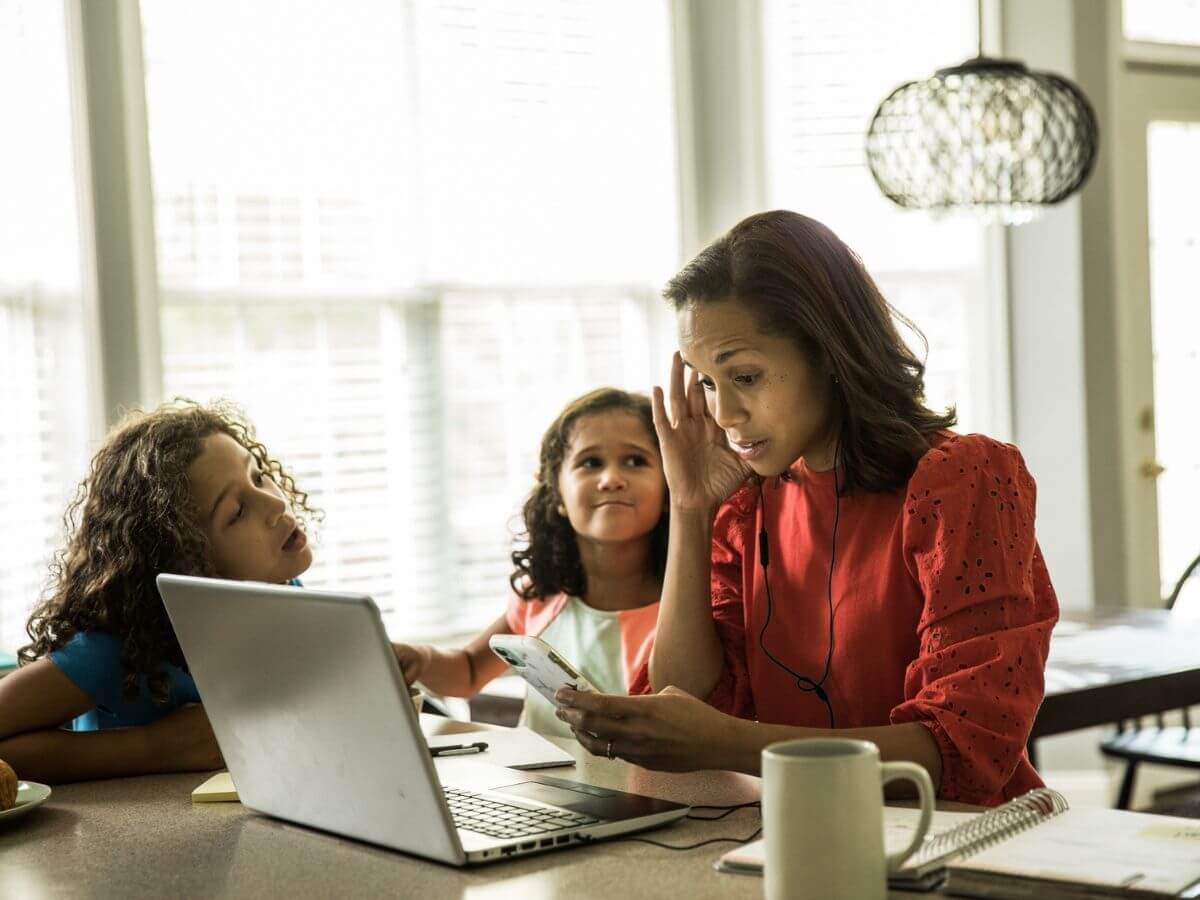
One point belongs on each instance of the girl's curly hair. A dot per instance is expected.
(549, 563)
(133, 517)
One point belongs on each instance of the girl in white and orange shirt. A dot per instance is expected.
(589, 577)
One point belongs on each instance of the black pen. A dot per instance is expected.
(458, 749)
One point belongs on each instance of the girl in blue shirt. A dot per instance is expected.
(186, 489)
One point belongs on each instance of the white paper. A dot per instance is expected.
(898, 827)
(1113, 645)
(516, 748)
(1100, 847)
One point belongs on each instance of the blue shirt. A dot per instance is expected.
(92, 659)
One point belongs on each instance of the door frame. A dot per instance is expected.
(1151, 83)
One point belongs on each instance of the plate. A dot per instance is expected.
(30, 795)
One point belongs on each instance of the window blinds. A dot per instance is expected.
(447, 241)
(43, 429)
(826, 68)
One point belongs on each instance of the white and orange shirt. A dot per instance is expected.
(606, 647)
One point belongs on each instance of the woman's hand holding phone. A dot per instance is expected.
(670, 731)
(542, 667)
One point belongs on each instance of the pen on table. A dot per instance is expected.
(458, 749)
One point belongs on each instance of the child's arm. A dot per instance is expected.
(454, 673)
(38, 698)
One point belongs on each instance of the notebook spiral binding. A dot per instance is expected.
(991, 827)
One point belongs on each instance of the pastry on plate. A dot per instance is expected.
(8, 786)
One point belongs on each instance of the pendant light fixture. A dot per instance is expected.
(988, 135)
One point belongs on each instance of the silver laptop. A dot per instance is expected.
(315, 723)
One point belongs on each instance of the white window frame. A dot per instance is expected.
(718, 92)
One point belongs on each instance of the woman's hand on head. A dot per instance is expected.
(700, 468)
(671, 731)
(184, 741)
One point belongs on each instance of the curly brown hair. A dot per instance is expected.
(549, 563)
(799, 279)
(133, 517)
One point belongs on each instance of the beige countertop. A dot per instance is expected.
(143, 837)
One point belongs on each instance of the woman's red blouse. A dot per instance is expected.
(942, 609)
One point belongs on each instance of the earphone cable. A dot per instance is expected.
(727, 810)
(717, 840)
(803, 682)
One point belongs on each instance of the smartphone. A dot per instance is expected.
(538, 663)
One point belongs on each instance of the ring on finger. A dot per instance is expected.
(608, 750)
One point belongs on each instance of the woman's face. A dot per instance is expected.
(252, 535)
(761, 389)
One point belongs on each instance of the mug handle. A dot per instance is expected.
(890, 771)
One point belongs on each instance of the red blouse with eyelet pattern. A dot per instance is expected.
(942, 609)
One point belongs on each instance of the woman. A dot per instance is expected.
(839, 561)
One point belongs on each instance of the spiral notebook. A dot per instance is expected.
(1034, 846)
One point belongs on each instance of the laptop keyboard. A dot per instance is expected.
(496, 818)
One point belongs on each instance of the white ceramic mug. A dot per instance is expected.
(822, 808)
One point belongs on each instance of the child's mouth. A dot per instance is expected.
(296, 540)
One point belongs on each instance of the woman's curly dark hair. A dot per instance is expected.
(549, 563)
(133, 517)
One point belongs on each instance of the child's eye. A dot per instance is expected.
(745, 379)
(590, 462)
(258, 477)
(706, 383)
(637, 460)
(237, 514)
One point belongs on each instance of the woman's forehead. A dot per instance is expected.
(706, 320)
(715, 331)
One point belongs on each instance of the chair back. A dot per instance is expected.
(1187, 573)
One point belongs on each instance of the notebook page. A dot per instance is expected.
(1100, 847)
(900, 824)
(516, 748)
(218, 789)
(898, 827)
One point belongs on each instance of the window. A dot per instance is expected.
(44, 428)
(403, 233)
(402, 236)
(1162, 21)
(827, 67)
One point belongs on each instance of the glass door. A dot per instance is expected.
(1173, 181)
(1156, 143)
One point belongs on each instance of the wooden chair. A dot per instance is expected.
(1177, 745)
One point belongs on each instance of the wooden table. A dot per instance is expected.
(1106, 666)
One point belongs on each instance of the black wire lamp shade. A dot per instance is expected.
(988, 135)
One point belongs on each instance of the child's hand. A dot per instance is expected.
(413, 660)
(184, 741)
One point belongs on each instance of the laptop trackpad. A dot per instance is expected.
(544, 793)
